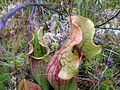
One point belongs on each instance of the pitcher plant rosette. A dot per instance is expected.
(59, 69)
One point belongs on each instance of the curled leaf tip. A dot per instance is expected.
(87, 28)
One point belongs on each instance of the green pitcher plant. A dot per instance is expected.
(59, 70)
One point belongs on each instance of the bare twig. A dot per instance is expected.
(28, 39)
(32, 12)
(7, 58)
(2, 49)
(97, 26)
(7, 64)
(102, 74)
(110, 28)
(22, 26)
(10, 13)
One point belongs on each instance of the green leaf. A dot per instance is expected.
(39, 53)
(108, 72)
(28, 85)
(2, 87)
(38, 68)
(38, 48)
(4, 77)
(87, 27)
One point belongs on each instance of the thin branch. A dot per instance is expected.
(110, 28)
(10, 13)
(102, 74)
(28, 39)
(2, 49)
(95, 84)
(7, 64)
(7, 58)
(21, 26)
(97, 26)
(32, 12)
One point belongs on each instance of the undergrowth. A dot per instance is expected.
(101, 74)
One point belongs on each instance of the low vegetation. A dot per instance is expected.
(32, 40)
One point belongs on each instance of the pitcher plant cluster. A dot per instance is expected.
(58, 68)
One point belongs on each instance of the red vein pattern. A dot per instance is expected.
(64, 63)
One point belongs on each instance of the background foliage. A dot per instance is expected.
(102, 74)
